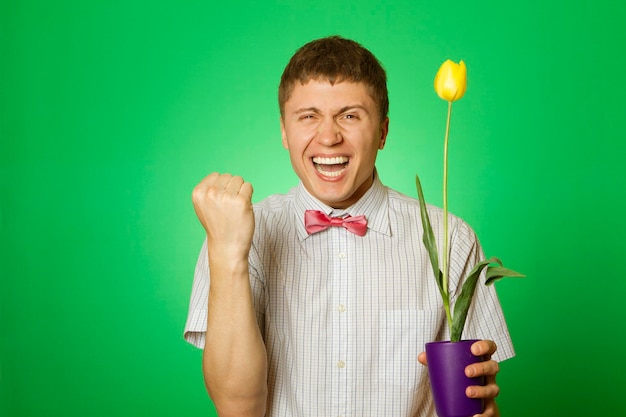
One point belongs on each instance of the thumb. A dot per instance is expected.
(422, 359)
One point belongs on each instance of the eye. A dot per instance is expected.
(350, 116)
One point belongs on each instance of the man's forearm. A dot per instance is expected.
(234, 359)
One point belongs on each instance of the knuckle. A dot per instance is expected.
(197, 194)
(485, 368)
(491, 367)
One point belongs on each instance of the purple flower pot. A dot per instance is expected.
(446, 367)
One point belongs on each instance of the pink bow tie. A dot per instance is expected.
(316, 221)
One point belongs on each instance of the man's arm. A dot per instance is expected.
(234, 361)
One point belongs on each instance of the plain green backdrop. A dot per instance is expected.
(111, 111)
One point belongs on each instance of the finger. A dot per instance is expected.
(484, 347)
(486, 368)
(207, 187)
(487, 391)
(491, 409)
(200, 189)
(233, 185)
(246, 191)
(208, 181)
(422, 359)
(221, 182)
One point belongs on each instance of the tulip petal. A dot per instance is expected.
(451, 80)
(461, 80)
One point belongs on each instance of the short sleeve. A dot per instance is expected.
(195, 327)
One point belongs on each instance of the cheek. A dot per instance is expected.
(371, 143)
(297, 139)
(295, 147)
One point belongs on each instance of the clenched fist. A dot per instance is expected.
(223, 204)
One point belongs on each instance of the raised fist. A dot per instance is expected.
(223, 204)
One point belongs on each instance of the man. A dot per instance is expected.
(304, 320)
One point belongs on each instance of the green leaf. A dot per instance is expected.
(496, 273)
(429, 240)
(462, 304)
(464, 301)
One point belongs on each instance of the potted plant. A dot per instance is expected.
(447, 360)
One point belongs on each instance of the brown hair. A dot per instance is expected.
(335, 59)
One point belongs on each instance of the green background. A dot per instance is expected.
(111, 111)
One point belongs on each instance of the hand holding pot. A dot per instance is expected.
(487, 369)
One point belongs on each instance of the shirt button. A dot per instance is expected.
(341, 364)
(341, 308)
(342, 255)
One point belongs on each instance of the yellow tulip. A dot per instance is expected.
(451, 80)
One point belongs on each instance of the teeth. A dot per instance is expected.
(329, 173)
(330, 161)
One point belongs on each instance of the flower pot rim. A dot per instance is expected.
(441, 342)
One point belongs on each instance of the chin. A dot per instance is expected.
(335, 199)
(333, 192)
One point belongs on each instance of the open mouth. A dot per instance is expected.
(330, 167)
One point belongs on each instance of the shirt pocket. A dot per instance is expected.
(403, 335)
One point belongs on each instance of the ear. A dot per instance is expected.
(283, 133)
(384, 129)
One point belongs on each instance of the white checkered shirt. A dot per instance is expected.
(344, 317)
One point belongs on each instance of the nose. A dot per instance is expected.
(329, 133)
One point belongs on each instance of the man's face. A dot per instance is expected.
(333, 133)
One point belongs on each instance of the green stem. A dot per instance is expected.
(446, 255)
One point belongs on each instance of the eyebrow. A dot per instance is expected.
(306, 109)
(341, 110)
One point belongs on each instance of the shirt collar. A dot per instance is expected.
(374, 205)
